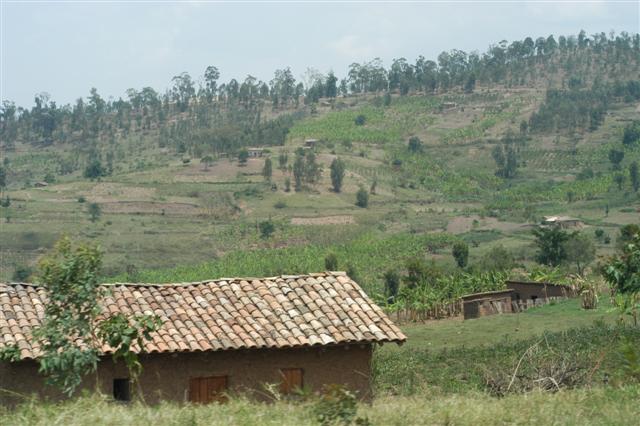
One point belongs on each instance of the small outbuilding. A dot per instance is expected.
(564, 222)
(488, 303)
(536, 292)
(310, 143)
(255, 152)
(219, 336)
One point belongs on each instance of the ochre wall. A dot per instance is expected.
(525, 291)
(166, 376)
(492, 305)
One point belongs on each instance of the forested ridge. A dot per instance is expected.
(207, 115)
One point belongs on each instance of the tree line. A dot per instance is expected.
(201, 101)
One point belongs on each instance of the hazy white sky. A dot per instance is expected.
(65, 48)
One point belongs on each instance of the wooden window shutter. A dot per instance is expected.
(291, 380)
(203, 390)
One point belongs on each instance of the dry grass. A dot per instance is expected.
(597, 406)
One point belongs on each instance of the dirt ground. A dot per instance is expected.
(326, 220)
(462, 224)
(221, 170)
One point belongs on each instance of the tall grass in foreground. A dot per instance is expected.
(596, 406)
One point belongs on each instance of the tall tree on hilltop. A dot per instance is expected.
(211, 76)
(550, 242)
(298, 172)
(337, 174)
(267, 170)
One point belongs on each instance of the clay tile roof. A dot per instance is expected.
(230, 313)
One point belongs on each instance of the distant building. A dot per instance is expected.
(488, 303)
(41, 184)
(310, 143)
(563, 221)
(255, 152)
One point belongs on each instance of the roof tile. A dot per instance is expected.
(286, 311)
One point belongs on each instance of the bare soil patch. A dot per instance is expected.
(223, 170)
(326, 220)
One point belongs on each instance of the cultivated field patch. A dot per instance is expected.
(326, 220)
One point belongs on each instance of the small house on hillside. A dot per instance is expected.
(563, 221)
(302, 331)
(255, 152)
(310, 143)
(488, 303)
(534, 291)
(41, 184)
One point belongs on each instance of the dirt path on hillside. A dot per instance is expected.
(325, 220)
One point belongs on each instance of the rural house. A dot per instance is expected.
(221, 336)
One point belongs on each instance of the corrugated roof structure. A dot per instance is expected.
(225, 314)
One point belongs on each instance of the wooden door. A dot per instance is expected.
(203, 390)
(291, 380)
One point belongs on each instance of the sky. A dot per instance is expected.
(65, 48)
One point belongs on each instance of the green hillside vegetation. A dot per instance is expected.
(500, 139)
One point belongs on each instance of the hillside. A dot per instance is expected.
(552, 116)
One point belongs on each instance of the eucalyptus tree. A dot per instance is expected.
(211, 76)
(182, 91)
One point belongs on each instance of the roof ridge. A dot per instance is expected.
(207, 281)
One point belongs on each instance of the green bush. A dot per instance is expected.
(362, 198)
(336, 406)
(267, 228)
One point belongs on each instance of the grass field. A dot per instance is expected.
(456, 333)
(596, 406)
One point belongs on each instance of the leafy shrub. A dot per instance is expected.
(631, 133)
(360, 120)
(336, 406)
(280, 204)
(362, 198)
(267, 228)
(460, 253)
